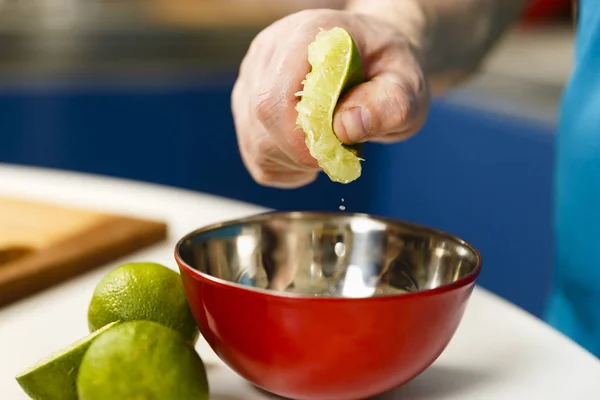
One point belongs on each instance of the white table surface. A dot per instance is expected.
(498, 352)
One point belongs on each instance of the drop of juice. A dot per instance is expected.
(342, 207)
(340, 249)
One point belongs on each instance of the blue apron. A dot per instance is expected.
(574, 306)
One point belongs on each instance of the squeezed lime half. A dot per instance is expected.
(336, 68)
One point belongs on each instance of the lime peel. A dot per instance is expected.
(336, 68)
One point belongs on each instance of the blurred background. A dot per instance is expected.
(141, 89)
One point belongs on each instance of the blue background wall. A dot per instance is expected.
(483, 176)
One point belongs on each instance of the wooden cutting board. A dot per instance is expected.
(43, 244)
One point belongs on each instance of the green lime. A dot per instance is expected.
(142, 291)
(142, 360)
(336, 67)
(55, 377)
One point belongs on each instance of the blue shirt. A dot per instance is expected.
(574, 306)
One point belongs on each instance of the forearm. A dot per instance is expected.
(453, 36)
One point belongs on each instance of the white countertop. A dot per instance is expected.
(499, 351)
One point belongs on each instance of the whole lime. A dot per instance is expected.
(142, 291)
(142, 360)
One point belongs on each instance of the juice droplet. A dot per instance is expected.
(342, 207)
(340, 249)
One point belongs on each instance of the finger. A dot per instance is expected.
(259, 149)
(282, 179)
(276, 104)
(265, 161)
(254, 140)
(274, 171)
(393, 104)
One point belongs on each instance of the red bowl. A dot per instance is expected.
(330, 347)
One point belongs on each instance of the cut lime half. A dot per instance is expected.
(55, 377)
(336, 67)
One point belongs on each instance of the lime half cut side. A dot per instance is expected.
(336, 68)
(55, 377)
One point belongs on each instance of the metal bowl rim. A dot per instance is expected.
(218, 282)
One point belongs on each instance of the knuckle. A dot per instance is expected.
(391, 110)
(263, 177)
(263, 154)
(403, 103)
(265, 149)
(261, 171)
(266, 106)
(257, 45)
(267, 165)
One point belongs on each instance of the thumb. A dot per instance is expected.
(388, 105)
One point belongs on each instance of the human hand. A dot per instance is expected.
(389, 106)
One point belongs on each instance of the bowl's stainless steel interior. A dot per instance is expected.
(329, 254)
